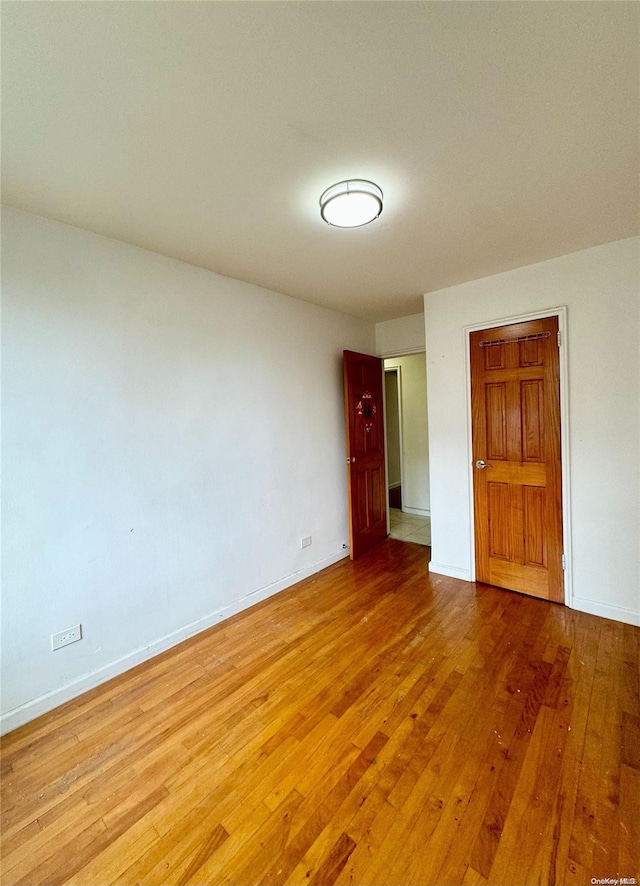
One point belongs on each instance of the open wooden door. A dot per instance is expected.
(364, 422)
(515, 405)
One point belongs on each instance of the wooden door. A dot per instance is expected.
(365, 451)
(515, 404)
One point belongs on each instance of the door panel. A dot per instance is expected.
(515, 400)
(499, 507)
(496, 412)
(533, 516)
(532, 405)
(365, 451)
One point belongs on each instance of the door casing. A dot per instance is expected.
(404, 352)
(397, 368)
(561, 314)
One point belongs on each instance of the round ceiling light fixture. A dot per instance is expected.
(351, 204)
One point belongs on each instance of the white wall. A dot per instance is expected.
(601, 289)
(415, 437)
(169, 437)
(402, 336)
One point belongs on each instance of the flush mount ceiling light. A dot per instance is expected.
(351, 204)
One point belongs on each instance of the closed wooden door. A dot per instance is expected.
(365, 451)
(515, 402)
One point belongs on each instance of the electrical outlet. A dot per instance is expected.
(64, 638)
(305, 542)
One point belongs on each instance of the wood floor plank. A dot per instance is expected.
(468, 729)
(629, 822)
(433, 762)
(374, 724)
(454, 860)
(577, 693)
(532, 804)
(326, 873)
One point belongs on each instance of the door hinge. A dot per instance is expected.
(564, 562)
(559, 342)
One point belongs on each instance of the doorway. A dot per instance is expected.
(407, 448)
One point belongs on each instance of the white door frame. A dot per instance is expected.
(561, 314)
(397, 354)
(398, 370)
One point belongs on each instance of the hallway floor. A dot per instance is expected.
(409, 527)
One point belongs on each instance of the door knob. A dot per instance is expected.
(482, 464)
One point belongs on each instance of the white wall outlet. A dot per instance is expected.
(63, 638)
(305, 542)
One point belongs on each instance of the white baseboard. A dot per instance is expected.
(450, 571)
(419, 512)
(36, 707)
(604, 610)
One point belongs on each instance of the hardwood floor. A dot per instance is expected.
(372, 724)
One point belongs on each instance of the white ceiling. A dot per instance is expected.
(501, 133)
